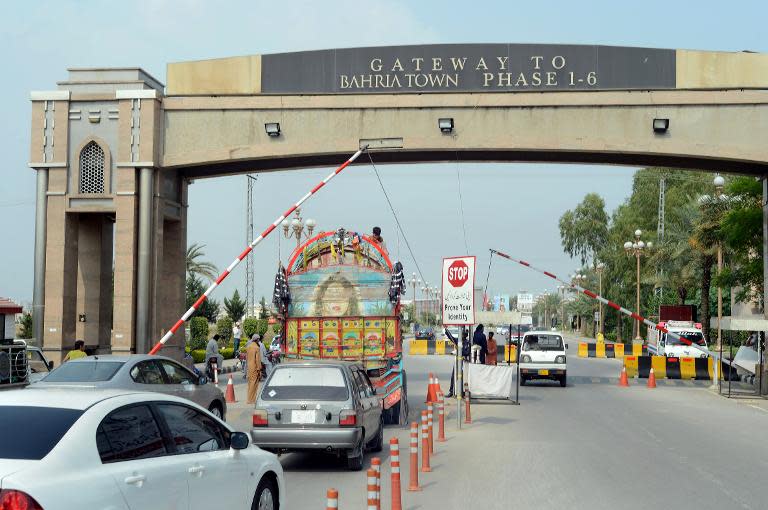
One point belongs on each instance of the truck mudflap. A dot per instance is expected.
(390, 385)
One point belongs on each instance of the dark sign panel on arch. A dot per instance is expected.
(468, 68)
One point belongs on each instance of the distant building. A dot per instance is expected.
(8, 311)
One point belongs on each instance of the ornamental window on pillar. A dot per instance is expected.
(92, 161)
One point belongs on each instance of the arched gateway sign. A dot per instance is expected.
(114, 149)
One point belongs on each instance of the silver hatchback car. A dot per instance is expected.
(139, 372)
(319, 406)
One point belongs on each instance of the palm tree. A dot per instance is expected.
(197, 267)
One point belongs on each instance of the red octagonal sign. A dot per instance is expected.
(458, 273)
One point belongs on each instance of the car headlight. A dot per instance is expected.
(525, 359)
(560, 359)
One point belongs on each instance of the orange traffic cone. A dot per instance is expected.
(623, 382)
(431, 394)
(230, 395)
(651, 379)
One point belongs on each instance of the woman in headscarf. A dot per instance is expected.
(479, 340)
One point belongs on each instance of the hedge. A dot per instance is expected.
(198, 355)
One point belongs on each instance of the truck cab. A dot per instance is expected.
(691, 343)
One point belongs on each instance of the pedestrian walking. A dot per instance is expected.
(480, 341)
(253, 364)
(77, 352)
(493, 350)
(237, 334)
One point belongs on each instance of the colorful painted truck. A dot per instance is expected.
(341, 301)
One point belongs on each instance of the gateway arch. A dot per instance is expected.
(114, 149)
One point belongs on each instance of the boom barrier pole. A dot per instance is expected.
(593, 295)
(159, 345)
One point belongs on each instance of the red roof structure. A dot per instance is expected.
(8, 307)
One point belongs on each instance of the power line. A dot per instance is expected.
(394, 214)
(461, 206)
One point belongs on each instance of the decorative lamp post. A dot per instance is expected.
(414, 282)
(637, 248)
(296, 228)
(719, 183)
(599, 268)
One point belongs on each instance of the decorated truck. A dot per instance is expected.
(339, 299)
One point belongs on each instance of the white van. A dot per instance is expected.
(542, 356)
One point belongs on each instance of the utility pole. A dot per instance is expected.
(660, 232)
(250, 289)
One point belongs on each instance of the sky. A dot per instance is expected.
(511, 207)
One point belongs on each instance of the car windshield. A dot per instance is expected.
(29, 433)
(306, 383)
(543, 343)
(695, 337)
(84, 371)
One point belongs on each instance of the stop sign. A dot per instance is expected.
(458, 273)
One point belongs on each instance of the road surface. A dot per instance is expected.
(592, 445)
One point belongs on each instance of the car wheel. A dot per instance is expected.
(216, 410)
(266, 496)
(355, 456)
(563, 381)
(378, 442)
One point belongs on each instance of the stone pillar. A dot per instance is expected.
(126, 240)
(38, 297)
(60, 279)
(144, 261)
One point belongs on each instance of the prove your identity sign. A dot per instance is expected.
(458, 291)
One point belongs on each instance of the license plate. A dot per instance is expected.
(543, 372)
(302, 417)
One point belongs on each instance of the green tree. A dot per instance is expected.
(224, 330)
(262, 326)
(196, 266)
(584, 230)
(250, 326)
(742, 234)
(263, 314)
(235, 307)
(194, 289)
(26, 326)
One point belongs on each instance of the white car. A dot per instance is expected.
(76, 449)
(542, 356)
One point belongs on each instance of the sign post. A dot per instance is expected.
(458, 309)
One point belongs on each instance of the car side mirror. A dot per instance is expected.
(566, 346)
(50, 365)
(238, 440)
(202, 380)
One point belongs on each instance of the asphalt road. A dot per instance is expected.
(591, 445)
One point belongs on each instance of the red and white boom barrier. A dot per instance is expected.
(248, 250)
(593, 295)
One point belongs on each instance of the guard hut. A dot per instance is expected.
(8, 311)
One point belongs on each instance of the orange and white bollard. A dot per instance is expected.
(394, 465)
(376, 465)
(413, 483)
(332, 499)
(441, 417)
(430, 429)
(371, 486)
(424, 444)
(467, 397)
